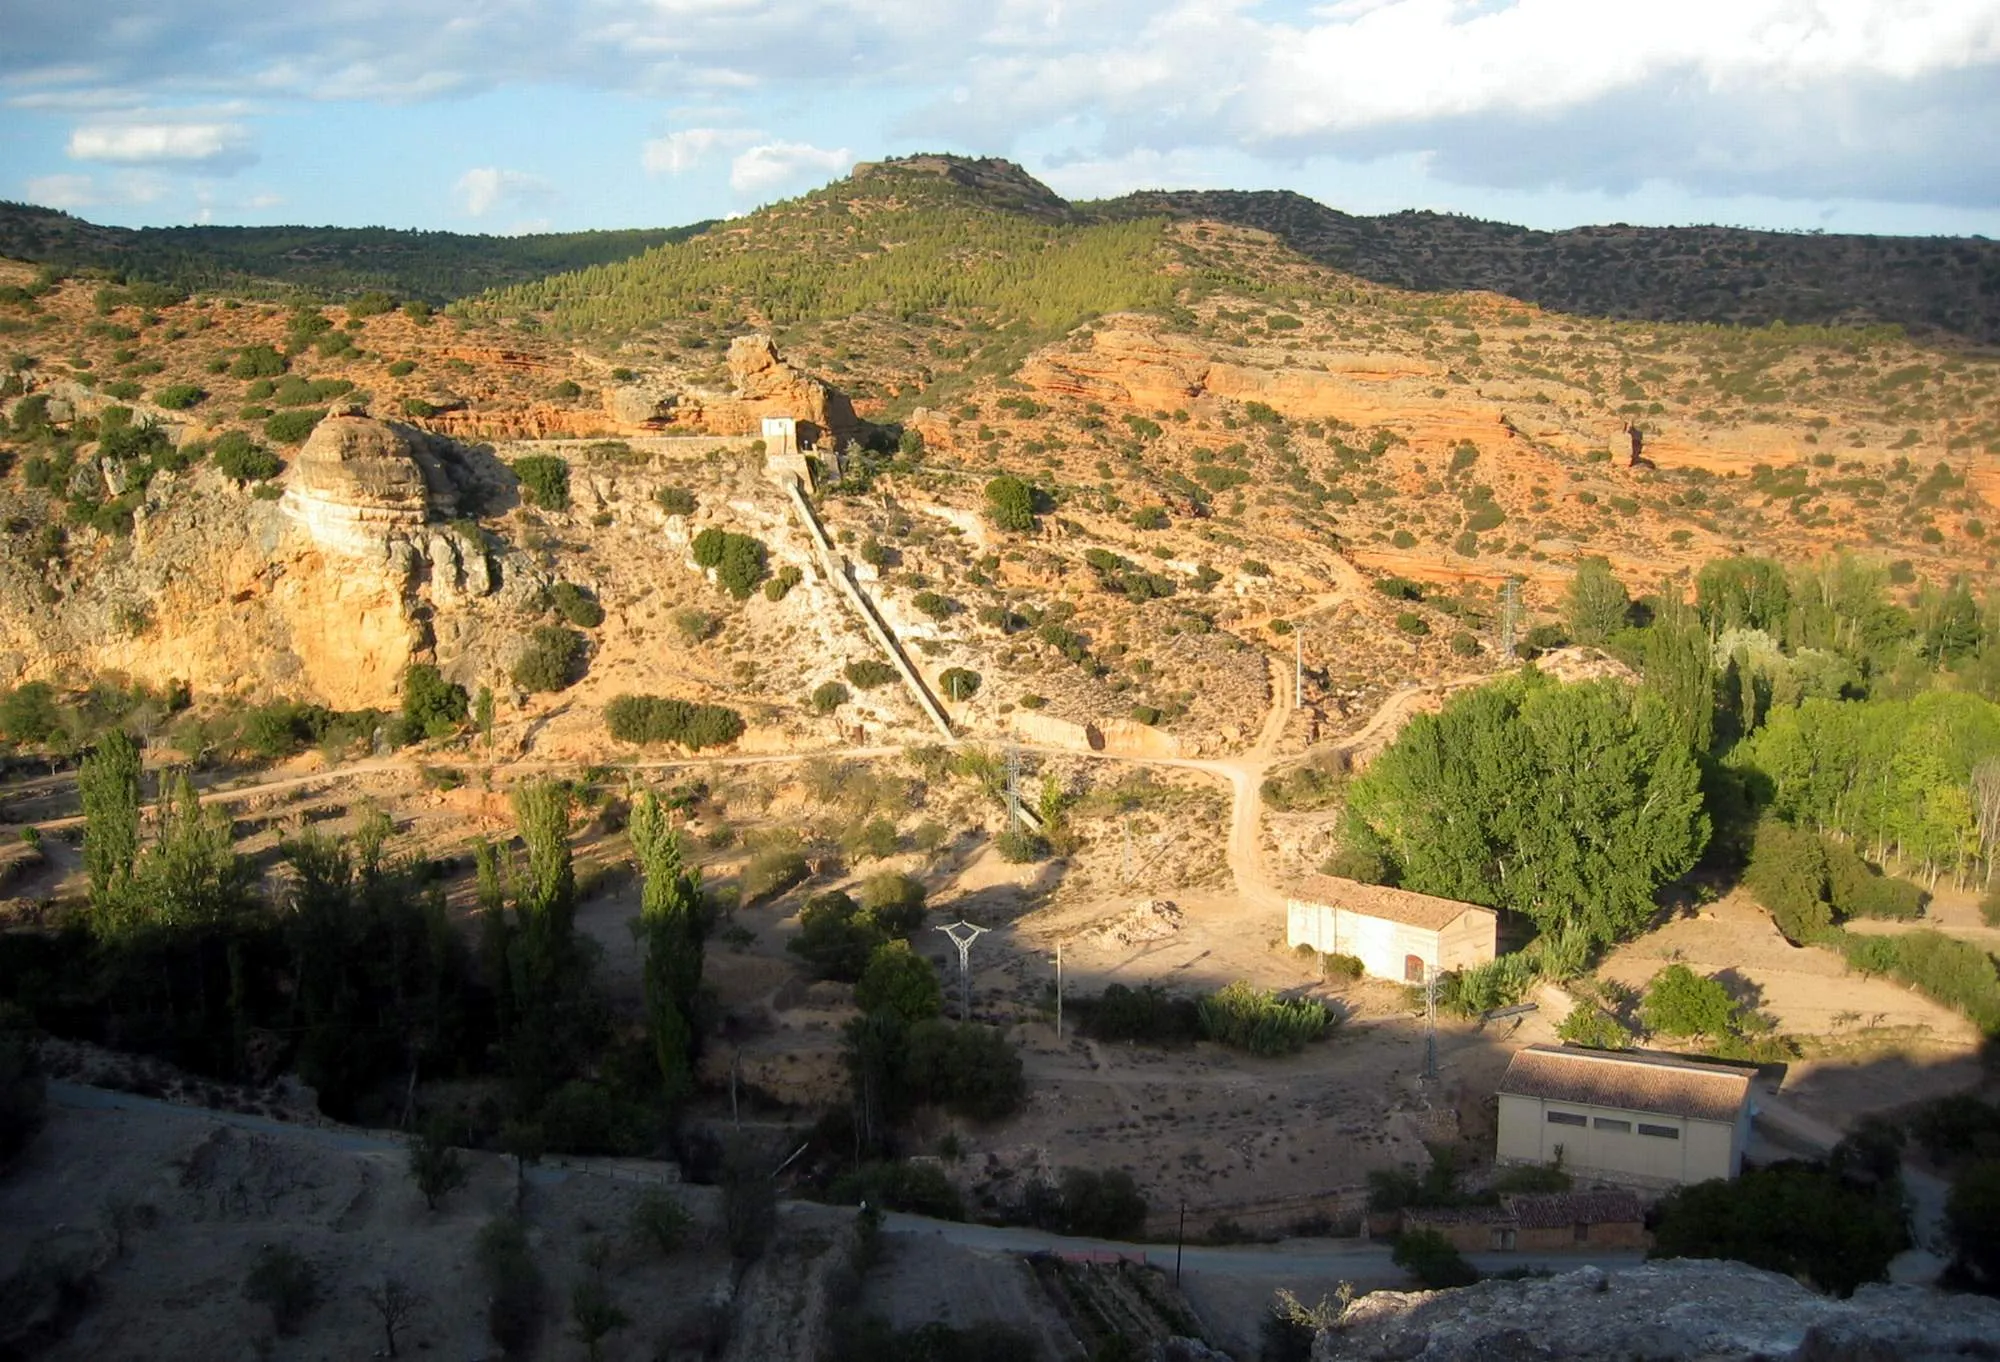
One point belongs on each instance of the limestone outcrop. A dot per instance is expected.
(1665, 1312)
(767, 384)
(358, 481)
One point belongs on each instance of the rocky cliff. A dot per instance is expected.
(1664, 1312)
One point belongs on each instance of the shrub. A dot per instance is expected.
(971, 1070)
(958, 683)
(1953, 972)
(739, 561)
(1010, 503)
(514, 1288)
(258, 361)
(552, 661)
(694, 626)
(402, 368)
(1500, 982)
(654, 719)
(1411, 623)
(935, 605)
(567, 389)
(1018, 846)
(574, 605)
(894, 902)
(241, 458)
(781, 585)
(771, 872)
(1340, 968)
(292, 427)
(418, 409)
(1245, 1017)
(1100, 1205)
(179, 396)
(23, 1088)
(1464, 644)
(912, 1188)
(829, 696)
(899, 980)
(1147, 1014)
(544, 480)
(1679, 1002)
(1797, 1219)
(1972, 1220)
(1433, 1260)
(284, 1282)
(1150, 518)
(1860, 890)
(868, 673)
(660, 1221)
(1586, 1024)
(1989, 906)
(432, 706)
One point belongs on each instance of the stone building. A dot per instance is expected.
(1624, 1116)
(1394, 933)
(1553, 1222)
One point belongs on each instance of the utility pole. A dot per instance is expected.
(1013, 786)
(1431, 1025)
(1180, 1238)
(1058, 991)
(962, 935)
(1507, 608)
(1298, 668)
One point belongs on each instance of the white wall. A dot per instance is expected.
(1382, 946)
(1704, 1149)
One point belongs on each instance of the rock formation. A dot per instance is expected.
(769, 386)
(358, 480)
(1666, 1311)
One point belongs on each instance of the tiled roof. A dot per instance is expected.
(1554, 1210)
(1378, 900)
(1667, 1084)
(1428, 1216)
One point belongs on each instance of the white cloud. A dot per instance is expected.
(199, 146)
(682, 151)
(68, 192)
(484, 188)
(772, 165)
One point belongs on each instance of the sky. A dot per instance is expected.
(536, 115)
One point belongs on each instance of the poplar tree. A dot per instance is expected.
(670, 923)
(109, 782)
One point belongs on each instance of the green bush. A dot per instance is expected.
(1411, 623)
(286, 1283)
(1145, 714)
(402, 368)
(781, 585)
(1679, 1002)
(1010, 504)
(958, 683)
(1588, 1025)
(911, 1188)
(1796, 1219)
(660, 1221)
(1245, 1017)
(1097, 1204)
(894, 902)
(654, 719)
(514, 1287)
(241, 458)
(574, 605)
(294, 391)
(432, 706)
(1018, 846)
(552, 661)
(1858, 889)
(1147, 1015)
(937, 606)
(258, 361)
(676, 500)
(868, 673)
(739, 561)
(544, 480)
(1433, 1260)
(292, 427)
(1500, 982)
(1787, 874)
(179, 396)
(972, 1070)
(829, 696)
(898, 980)
(1956, 973)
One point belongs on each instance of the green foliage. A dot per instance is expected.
(1950, 971)
(1432, 1260)
(934, 604)
(739, 560)
(971, 1070)
(179, 396)
(241, 458)
(912, 1188)
(839, 938)
(1798, 1219)
(544, 480)
(292, 427)
(1479, 989)
(286, 1283)
(1098, 1204)
(1018, 846)
(552, 661)
(436, 1167)
(1743, 593)
(1147, 1015)
(1587, 1024)
(432, 706)
(829, 696)
(1679, 669)
(932, 246)
(780, 586)
(1972, 1221)
(29, 713)
(670, 921)
(958, 683)
(1010, 504)
(1411, 623)
(1788, 876)
(1595, 606)
(868, 673)
(108, 781)
(514, 1287)
(1318, 782)
(660, 1221)
(576, 606)
(1618, 812)
(654, 719)
(899, 980)
(258, 361)
(1679, 1002)
(1244, 1017)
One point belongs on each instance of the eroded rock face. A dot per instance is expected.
(769, 386)
(357, 481)
(1665, 1312)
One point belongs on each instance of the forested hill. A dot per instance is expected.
(1726, 275)
(332, 261)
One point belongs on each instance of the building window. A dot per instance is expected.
(1582, 1232)
(1413, 969)
(1612, 1123)
(1567, 1118)
(1502, 1239)
(1659, 1132)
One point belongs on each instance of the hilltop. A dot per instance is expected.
(331, 261)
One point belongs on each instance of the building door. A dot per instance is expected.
(1413, 969)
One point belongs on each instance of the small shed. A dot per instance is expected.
(1624, 1115)
(1394, 933)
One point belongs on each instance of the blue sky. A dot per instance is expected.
(524, 115)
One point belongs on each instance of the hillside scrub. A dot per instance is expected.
(544, 480)
(1245, 1017)
(656, 719)
(552, 661)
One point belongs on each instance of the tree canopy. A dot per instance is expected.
(1572, 804)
